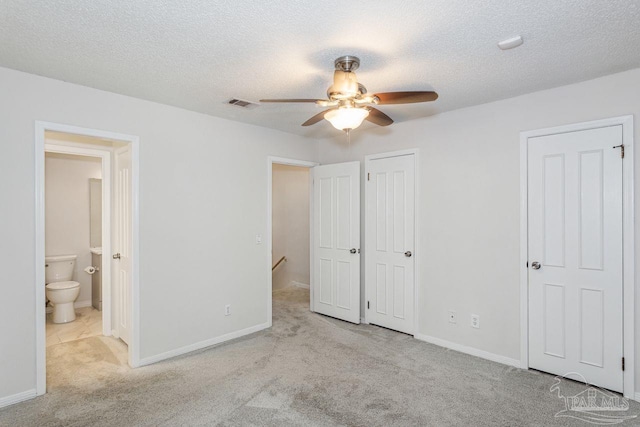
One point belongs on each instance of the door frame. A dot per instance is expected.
(416, 223)
(40, 320)
(271, 160)
(105, 156)
(628, 234)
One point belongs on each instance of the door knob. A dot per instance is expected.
(408, 254)
(535, 265)
(116, 256)
(353, 250)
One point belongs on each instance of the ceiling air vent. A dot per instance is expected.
(242, 103)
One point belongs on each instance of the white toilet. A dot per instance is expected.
(60, 290)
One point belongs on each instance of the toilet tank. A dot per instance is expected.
(59, 268)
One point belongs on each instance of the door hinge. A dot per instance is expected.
(368, 176)
(368, 308)
(623, 363)
(621, 147)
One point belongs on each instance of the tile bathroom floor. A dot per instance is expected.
(88, 323)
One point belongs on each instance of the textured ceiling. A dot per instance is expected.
(198, 54)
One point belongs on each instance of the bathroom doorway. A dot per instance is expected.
(86, 225)
(73, 243)
(289, 232)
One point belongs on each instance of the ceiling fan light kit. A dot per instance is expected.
(348, 101)
(346, 118)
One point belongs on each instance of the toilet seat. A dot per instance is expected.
(59, 286)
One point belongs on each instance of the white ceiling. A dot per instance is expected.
(198, 54)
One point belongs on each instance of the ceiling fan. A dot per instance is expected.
(349, 103)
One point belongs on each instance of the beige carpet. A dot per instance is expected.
(306, 370)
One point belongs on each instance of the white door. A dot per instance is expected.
(390, 242)
(336, 240)
(575, 255)
(122, 243)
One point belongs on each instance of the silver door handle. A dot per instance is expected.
(116, 256)
(535, 265)
(408, 254)
(353, 250)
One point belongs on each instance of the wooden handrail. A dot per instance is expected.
(278, 263)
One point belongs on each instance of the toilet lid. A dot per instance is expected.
(62, 285)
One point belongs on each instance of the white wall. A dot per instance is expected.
(290, 201)
(67, 213)
(202, 201)
(468, 237)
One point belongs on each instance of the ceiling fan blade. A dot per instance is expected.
(294, 100)
(315, 119)
(378, 117)
(406, 97)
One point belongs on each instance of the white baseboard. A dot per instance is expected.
(202, 344)
(16, 398)
(82, 304)
(637, 397)
(469, 350)
(299, 285)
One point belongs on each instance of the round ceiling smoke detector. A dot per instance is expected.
(511, 43)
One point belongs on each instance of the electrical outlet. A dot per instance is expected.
(258, 239)
(452, 317)
(475, 321)
(227, 310)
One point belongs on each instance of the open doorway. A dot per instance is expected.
(289, 232)
(73, 246)
(86, 258)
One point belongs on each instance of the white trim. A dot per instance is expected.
(104, 154)
(134, 346)
(637, 397)
(299, 285)
(389, 154)
(469, 350)
(83, 304)
(416, 224)
(312, 249)
(203, 344)
(524, 254)
(134, 334)
(17, 398)
(40, 298)
(628, 234)
(292, 162)
(271, 160)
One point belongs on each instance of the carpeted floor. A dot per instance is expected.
(308, 370)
